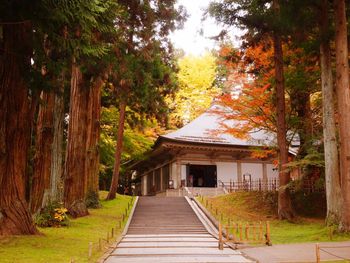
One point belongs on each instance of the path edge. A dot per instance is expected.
(215, 222)
(114, 245)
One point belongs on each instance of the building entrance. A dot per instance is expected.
(201, 175)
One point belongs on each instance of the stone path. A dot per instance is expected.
(165, 229)
(303, 252)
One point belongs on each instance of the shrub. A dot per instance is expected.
(309, 203)
(53, 215)
(92, 200)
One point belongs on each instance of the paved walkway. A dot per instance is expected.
(165, 229)
(293, 253)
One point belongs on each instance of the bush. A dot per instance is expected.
(309, 203)
(271, 198)
(92, 200)
(53, 215)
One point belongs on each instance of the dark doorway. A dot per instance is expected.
(201, 175)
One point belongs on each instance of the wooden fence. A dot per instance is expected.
(237, 232)
(269, 185)
(333, 252)
(244, 233)
(252, 185)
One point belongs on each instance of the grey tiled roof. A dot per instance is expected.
(207, 128)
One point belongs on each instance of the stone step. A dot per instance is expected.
(164, 215)
(178, 259)
(166, 229)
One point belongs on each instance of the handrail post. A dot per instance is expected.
(221, 245)
(318, 258)
(268, 238)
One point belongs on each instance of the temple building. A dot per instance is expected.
(201, 155)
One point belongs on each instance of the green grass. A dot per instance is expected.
(243, 207)
(66, 243)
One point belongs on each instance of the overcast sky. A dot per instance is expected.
(189, 38)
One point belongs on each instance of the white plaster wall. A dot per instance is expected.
(270, 172)
(226, 171)
(255, 169)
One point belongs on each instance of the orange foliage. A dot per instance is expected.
(249, 97)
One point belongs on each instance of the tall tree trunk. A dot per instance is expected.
(56, 181)
(74, 173)
(332, 174)
(301, 103)
(93, 137)
(15, 218)
(42, 159)
(34, 105)
(285, 210)
(343, 95)
(118, 151)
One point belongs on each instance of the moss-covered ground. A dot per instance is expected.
(67, 243)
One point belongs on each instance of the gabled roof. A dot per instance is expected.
(208, 129)
(206, 132)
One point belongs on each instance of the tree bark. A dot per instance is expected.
(42, 158)
(285, 210)
(93, 137)
(56, 181)
(343, 95)
(118, 152)
(74, 174)
(15, 218)
(332, 173)
(301, 103)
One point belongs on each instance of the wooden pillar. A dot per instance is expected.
(178, 174)
(265, 181)
(144, 185)
(318, 258)
(239, 173)
(161, 178)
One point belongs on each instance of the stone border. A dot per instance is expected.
(209, 226)
(216, 224)
(207, 213)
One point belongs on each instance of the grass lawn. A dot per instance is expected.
(66, 243)
(254, 207)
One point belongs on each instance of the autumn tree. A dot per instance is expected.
(263, 19)
(196, 88)
(139, 135)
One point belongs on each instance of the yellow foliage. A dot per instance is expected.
(196, 92)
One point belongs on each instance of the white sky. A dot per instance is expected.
(189, 38)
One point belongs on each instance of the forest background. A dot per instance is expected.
(88, 86)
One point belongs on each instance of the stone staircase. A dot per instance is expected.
(166, 229)
(158, 215)
(195, 191)
(206, 191)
